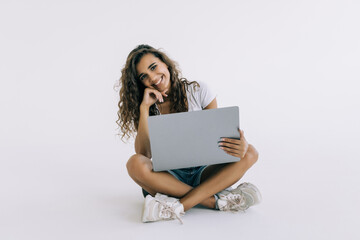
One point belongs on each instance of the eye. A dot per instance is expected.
(142, 77)
(153, 68)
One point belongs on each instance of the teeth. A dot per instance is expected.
(158, 81)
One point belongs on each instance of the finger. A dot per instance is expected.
(164, 93)
(160, 97)
(233, 150)
(152, 95)
(229, 145)
(151, 91)
(241, 148)
(230, 140)
(242, 135)
(231, 153)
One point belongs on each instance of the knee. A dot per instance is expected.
(131, 163)
(138, 166)
(252, 155)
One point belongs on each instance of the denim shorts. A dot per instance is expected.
(190, 176)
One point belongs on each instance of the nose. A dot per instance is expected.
(152, 77)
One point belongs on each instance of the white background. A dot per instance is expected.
(291, 66)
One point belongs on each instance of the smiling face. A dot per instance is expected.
(153, 73)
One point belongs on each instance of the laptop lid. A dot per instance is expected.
(189, 139)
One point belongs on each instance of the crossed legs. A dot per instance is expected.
(214, 179)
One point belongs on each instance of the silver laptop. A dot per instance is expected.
(190, 139)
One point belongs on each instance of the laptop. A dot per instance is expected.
(190, 139)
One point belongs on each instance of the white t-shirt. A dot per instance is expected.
(199, 98)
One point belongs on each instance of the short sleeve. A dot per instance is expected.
(206, 94)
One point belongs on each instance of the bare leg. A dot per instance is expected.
(215, 179)
(140, 170)
(219, 179)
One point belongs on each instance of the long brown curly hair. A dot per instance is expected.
(132, 90)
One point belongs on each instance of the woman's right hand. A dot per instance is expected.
(151, 96)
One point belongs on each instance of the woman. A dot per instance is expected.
(150, 85)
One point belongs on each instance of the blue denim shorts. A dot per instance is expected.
(190, 176)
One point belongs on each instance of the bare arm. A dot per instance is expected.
(212, 105)
(142, 142)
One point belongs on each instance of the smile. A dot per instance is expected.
(158, 81)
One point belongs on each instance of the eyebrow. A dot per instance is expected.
(148, 68)
(151, 65)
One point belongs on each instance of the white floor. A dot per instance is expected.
(72, 192)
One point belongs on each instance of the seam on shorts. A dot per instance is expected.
(198, 179)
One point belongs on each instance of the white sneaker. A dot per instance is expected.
(162, 207)
(239, 199)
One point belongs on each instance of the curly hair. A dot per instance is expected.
(132, 90)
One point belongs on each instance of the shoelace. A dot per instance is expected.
(168, 210)
(236, 202)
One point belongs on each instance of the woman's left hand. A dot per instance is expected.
(235, 147)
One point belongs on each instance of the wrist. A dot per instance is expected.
(144, 109)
